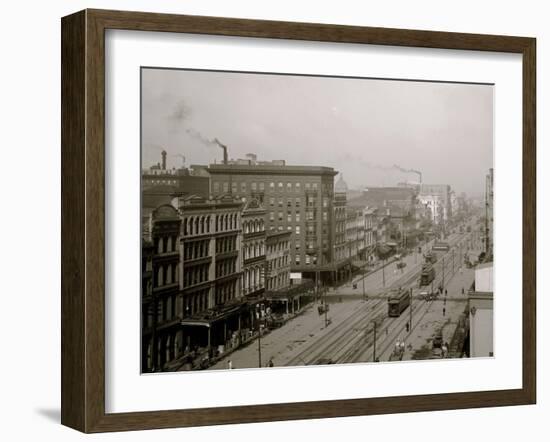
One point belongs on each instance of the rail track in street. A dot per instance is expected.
(352, 339)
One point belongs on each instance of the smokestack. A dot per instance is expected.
(163, 153)
(224, 147)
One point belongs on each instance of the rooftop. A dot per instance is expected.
(246, 169)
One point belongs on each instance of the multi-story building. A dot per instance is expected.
(370, 219)
(161, 340)
(210, 287)
(355, 234)
(340, 203)
(278, 261)
(437, 197)
(297, 199)
(279, 293)
(253, 249)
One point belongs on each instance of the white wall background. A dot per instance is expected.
(30, 221)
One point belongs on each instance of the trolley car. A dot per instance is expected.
(427, 275)
(397, 302)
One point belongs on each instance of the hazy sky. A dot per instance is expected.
(361, 127)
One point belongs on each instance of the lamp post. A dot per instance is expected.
(410, 309)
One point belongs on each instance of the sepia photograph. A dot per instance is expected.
(303, 220)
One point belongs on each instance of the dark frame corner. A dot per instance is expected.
(83, 214)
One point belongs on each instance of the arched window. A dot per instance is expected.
(208, 224)
(226, 222)
(160, 245)
(197, 231)
(202, 224)
(185, 231)
(190, 220)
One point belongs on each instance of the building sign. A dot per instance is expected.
(295, 275)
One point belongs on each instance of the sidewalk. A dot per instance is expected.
(419, 342)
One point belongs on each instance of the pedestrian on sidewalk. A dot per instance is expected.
(443, 311)
(229, 365)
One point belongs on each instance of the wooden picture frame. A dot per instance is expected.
(83, 220)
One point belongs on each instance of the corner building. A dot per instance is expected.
(297, 199)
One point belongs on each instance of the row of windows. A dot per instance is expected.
(196, 249)
(196, 302)
(246, 187)
(277, 263)
(161, 182)
(277, 282)
(252, 279)
(310, 259)
(200, 224)
(196, 275)
(168, 348)
(166, 244)
(226, 292)
(226, 267)
(226, 244)
(254, 250)
(310, 215)
(166, 274)
(166, 311)
(279, 246)
(254, 226)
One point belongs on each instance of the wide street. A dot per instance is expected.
(353, 321)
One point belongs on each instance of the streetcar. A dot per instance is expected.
(398, 301)
(427, 275)
(430, 257)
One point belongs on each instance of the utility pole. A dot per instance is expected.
(326, 308)
(411, 309)
(443, 271)
(374, 345)
(364, 297)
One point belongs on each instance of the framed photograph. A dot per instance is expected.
(266, 221)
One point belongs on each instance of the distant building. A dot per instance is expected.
(480, 307)
(488, 236)
(403, 197)
(159, 184)
(437, 197)
(339, 207)
(370, 216)
(297, 199)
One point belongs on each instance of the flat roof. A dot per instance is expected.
(245, 169)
